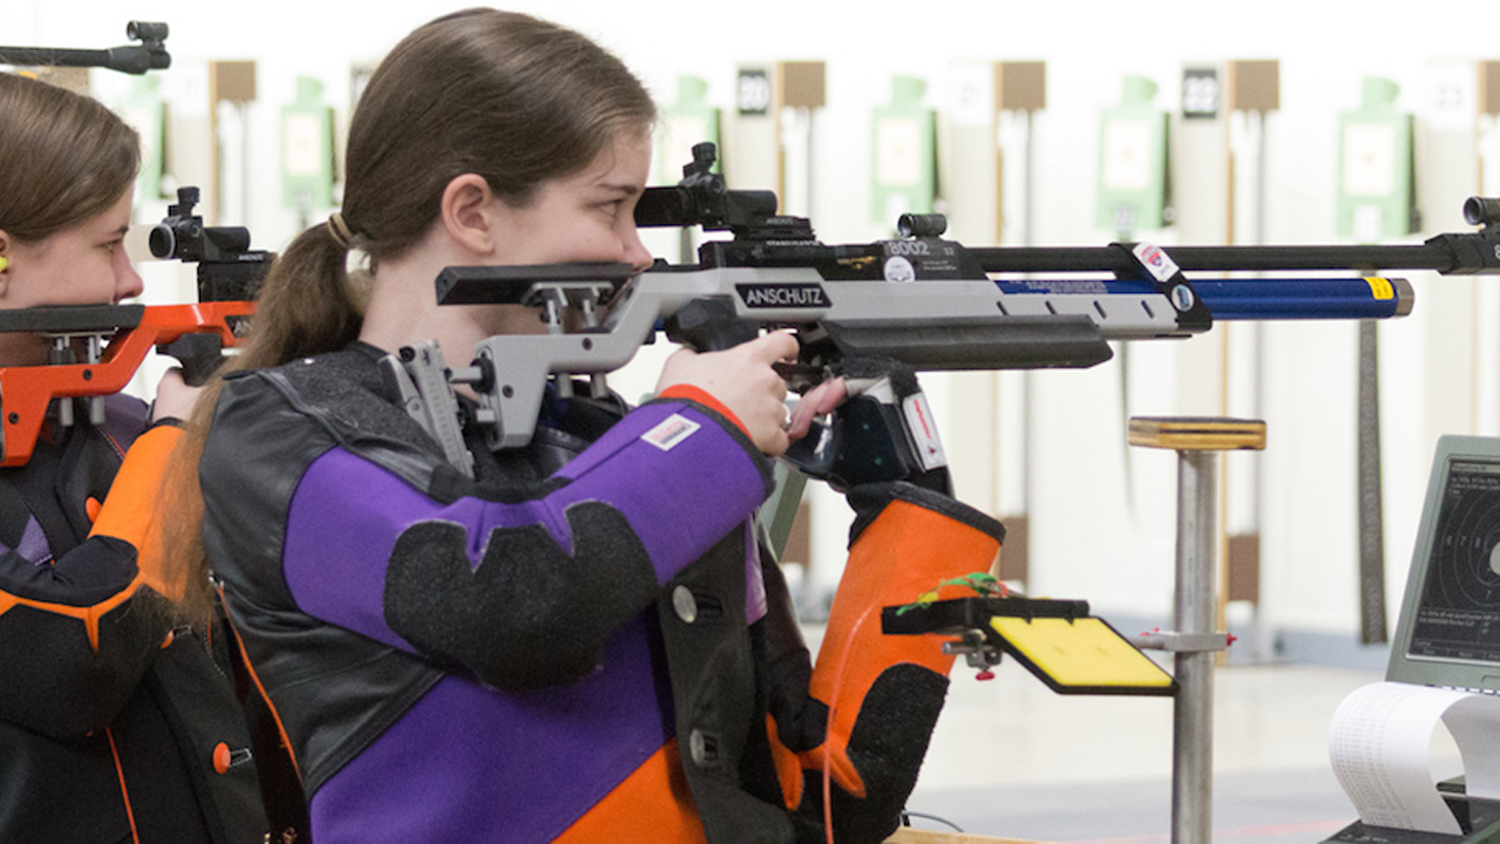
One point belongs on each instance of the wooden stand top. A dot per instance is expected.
(1197, 433)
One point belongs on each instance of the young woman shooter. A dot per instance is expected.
(114, 726)
(583, 643)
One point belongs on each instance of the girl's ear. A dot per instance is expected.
(467, 213)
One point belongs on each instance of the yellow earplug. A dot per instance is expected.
(4, 262)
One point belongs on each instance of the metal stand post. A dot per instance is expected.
(1195, 642)
(1194, 613)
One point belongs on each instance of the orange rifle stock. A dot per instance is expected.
(26, 391)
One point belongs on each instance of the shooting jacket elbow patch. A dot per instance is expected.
(886, 748)
(894, 727)
(529, 613)
(65, 682)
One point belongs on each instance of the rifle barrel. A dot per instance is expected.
(49, 57)
(130, 58)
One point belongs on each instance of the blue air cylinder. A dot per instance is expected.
(1372, 297)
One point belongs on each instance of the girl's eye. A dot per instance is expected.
(113, 247)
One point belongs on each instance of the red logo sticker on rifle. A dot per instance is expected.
(1157, 262)
(670, 431)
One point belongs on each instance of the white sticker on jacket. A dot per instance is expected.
(670, 431)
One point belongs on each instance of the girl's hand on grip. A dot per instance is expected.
(743, 380)
(174, 398)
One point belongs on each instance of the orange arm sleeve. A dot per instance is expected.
(130, 511)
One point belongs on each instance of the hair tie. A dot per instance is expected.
(339, 230)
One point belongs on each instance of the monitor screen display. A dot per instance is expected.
(1448, 633)
(1458, 616)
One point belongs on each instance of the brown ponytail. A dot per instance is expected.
(307, 305)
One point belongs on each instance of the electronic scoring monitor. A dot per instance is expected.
(1448, 633)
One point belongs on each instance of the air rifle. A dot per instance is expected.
(927, 302)
(149, 54)
(96, 349)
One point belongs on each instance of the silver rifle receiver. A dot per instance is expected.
(930, 325)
